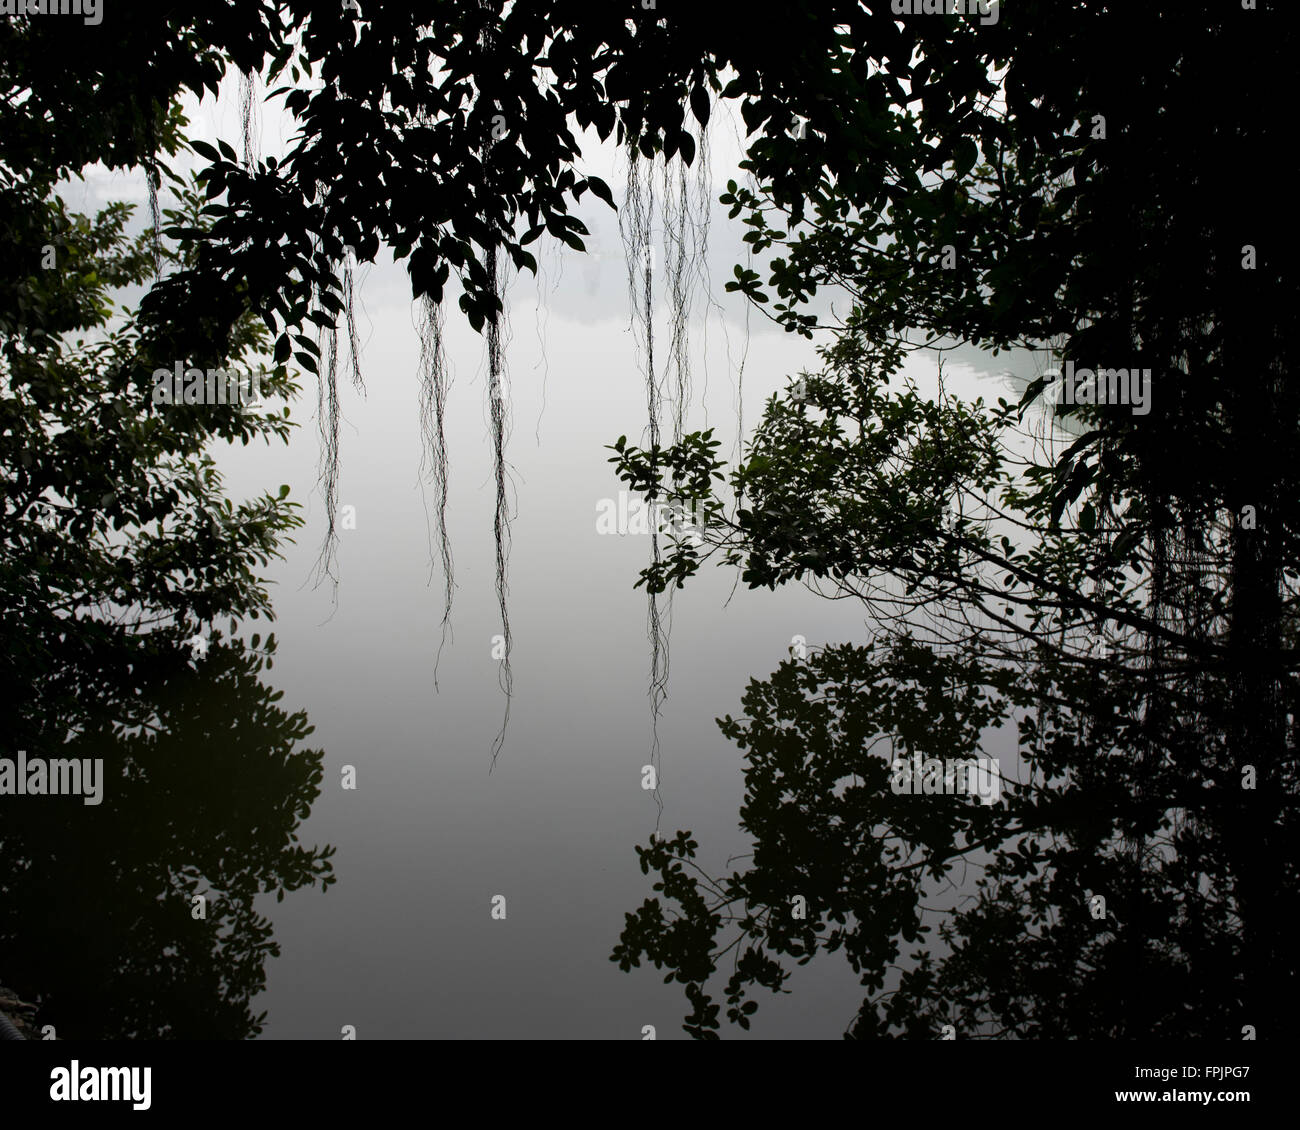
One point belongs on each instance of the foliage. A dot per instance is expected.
(1125, 595)
(120, 549)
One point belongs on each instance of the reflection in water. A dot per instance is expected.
(203, 794)
(1099, 898)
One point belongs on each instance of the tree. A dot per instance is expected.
(1163, 773)
(1128, 786)
(443, 131)
(136, 918)
(120, 551)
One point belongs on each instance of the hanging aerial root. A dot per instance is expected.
(327, 415)
(433, 429)
(154, 179)
(350, 316)
(700, 249)
(636, 221)
(247, 93)
(676, 219)
(501, 516)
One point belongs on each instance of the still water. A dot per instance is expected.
(464, 903)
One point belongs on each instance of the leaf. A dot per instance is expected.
(601, 189)
(1035, 388)
(965, 156)
(700, 104)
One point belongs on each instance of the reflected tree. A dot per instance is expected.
(137, 917)
(1123, 589)
(119, 554)
(960, 917)
(1108, 894)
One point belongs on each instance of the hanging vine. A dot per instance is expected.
(501, 515)
(685, 221)
(247, 99)
(636, 222)
(327, 416)
(684, 236)
(434, 384)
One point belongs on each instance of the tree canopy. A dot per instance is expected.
(1123, 592)
(1079, 180)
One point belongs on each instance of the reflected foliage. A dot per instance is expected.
(1124, 590)
(204, 797)
(951, 911)
(119, 553)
